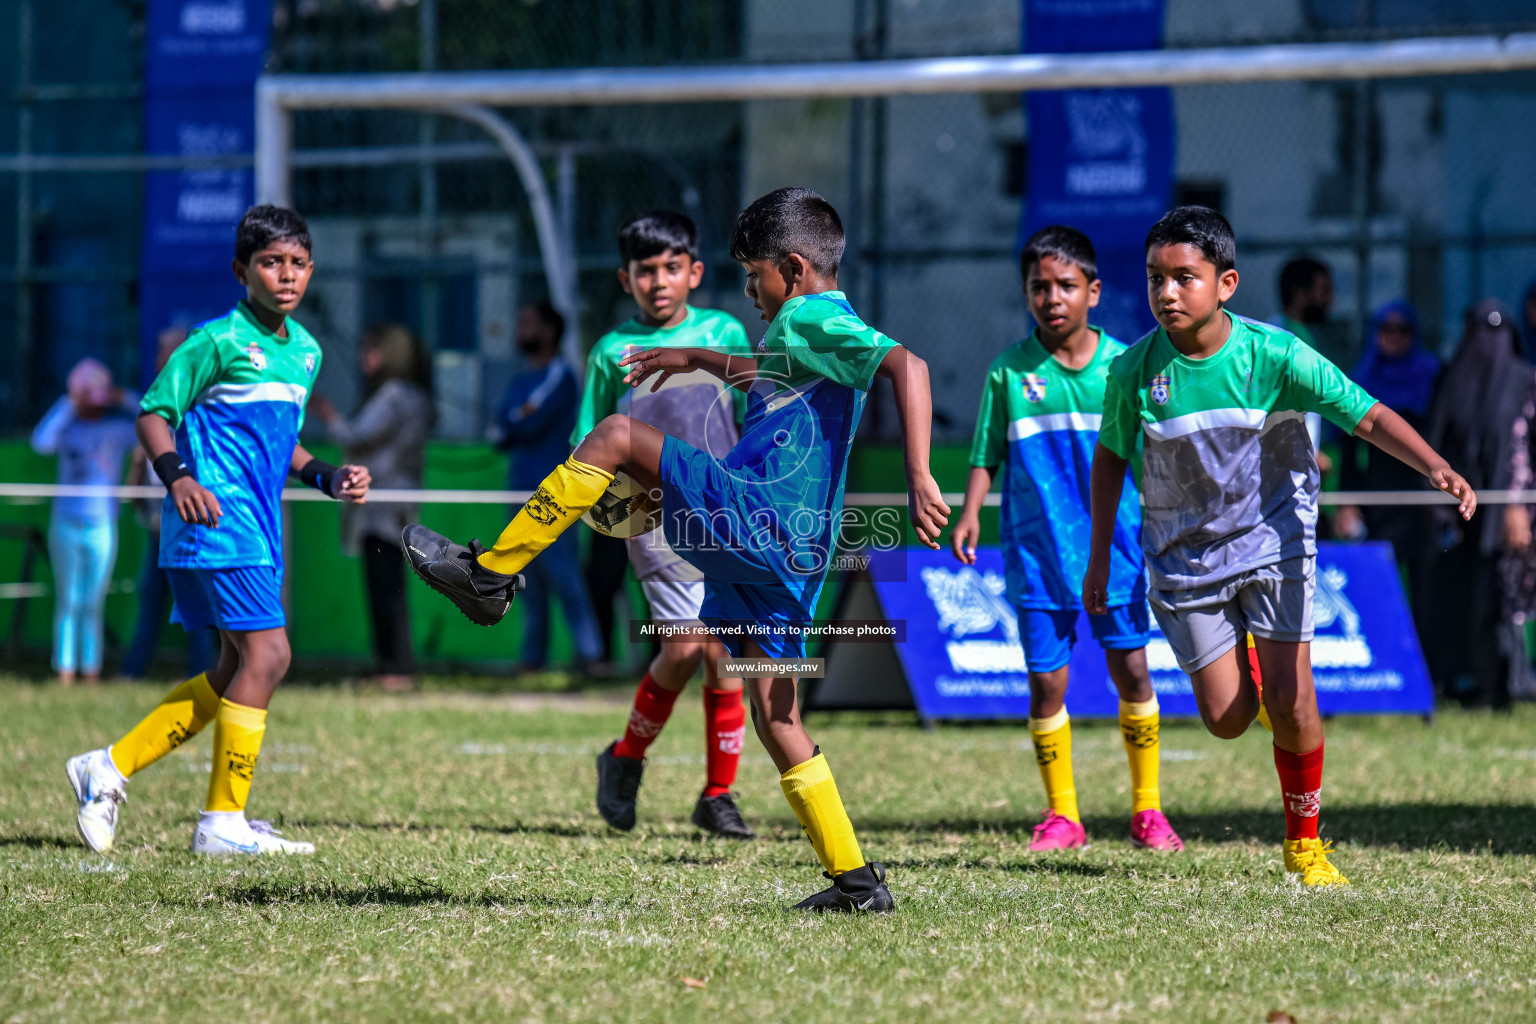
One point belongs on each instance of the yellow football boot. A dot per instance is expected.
(1309, 859)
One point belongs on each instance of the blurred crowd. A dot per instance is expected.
(1472, 589)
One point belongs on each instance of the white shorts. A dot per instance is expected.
(672, 601)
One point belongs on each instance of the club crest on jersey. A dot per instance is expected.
(309, 364)
(1034, 387)
(1157, 390)
(258, 356)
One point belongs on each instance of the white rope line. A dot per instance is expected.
(14, 492)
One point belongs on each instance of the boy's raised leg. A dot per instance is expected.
(812, 793)
(481, 581)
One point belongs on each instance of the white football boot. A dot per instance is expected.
(99, 788)
(228, 834)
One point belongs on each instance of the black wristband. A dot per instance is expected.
(169, 468)
(318, 475)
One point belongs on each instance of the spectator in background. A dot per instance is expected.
(1528, 318)
(1306, 298)
(533, 422)
(1472, 423)
(90, 429)
(389, 432)
(154, 588)
(1517, 566)
(607, 568)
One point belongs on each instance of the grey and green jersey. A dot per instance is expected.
(1229, 479)
(696, 407)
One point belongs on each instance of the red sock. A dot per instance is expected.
(653, 706)
(725, 726)
(1301, 790)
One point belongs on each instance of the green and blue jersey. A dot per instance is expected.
(1039, 421)
(234, 393)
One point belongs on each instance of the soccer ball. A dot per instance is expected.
(625, 510)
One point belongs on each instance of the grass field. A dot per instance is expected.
(463, 875)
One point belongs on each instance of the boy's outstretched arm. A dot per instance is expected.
(908, 375)
(194, 503)
(1394, 435)
(1107, 481)
(962, 542)
(348, 483)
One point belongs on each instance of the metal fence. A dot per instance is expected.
(1409, 188)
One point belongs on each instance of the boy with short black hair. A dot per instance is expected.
(759, 521)
(220, 425)
(660, 268)
(1229, 487)
(1039, 418)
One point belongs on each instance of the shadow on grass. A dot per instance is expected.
(41, 843)
(411, 893)
(1492, 828)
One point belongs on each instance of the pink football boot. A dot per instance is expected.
(1058, 833)
(1151, 831)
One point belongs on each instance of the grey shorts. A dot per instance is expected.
(1203, 623)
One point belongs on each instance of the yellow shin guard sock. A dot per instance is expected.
(176, 719)
(237, 733)
(812, 794)
(1139, 728)
(1053, 753)
(556, 504)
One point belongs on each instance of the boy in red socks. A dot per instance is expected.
(659, 253)
(1229, 484)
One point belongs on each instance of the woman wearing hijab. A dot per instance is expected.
(1472, 423)
(390, 431)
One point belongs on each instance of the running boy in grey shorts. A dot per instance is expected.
(1213, 404)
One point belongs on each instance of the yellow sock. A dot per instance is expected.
(176, 719)
(1053, 753)
(1139, 728)
(812, 794)
(237, 733)
(558, 502)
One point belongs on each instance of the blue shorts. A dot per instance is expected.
(1048, 634)
(705, 522)
(242, 600)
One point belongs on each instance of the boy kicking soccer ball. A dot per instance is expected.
(220, 425)
(1039, 417)
(760, 521)
(661, 267)
(1229, 489)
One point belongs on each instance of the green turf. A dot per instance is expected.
(462, 875)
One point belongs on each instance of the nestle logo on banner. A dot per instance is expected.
(970, 605)
(213, 17)
(1107, 138)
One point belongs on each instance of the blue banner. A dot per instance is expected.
(963, 660)
(202, 58)
(1101, 160)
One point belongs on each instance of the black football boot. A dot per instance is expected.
(618, 786)
(454, 571)
(719, 815)
(860, 891)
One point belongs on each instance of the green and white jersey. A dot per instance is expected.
(1039, 421)
(1229, 479)
(696, 407)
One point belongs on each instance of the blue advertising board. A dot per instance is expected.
(962, 657)
(1101, 160)
(202, 58)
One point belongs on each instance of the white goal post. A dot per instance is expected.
(473, 95)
